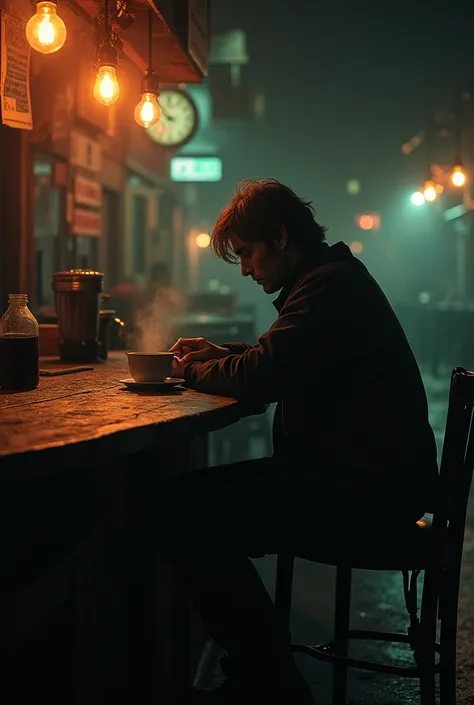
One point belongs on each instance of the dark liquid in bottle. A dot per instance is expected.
(19, 363)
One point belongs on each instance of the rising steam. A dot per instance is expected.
(152, 329)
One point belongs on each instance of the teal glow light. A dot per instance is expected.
(417, 198)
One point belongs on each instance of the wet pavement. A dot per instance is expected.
(378, 603)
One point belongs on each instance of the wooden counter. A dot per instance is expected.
(69, 417)
(93, 615)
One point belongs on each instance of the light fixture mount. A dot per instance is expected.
(122, 16)
(107, 55)
(150, 83)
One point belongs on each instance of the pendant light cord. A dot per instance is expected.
(150, 38)
(458, 129)
(106, 19)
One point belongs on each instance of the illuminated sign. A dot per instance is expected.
(197, 169)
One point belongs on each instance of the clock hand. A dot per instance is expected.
(167, 115)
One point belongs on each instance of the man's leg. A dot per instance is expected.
(208, 523)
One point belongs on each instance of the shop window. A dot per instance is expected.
(47, 218)
(86, 252)
(140, 209)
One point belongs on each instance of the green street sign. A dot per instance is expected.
(197, 169)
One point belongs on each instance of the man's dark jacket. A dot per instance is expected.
(351, 400)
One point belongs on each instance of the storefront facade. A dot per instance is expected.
(85, 187)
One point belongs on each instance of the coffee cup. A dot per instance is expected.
(150, 367)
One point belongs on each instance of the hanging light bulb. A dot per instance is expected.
(106, 86)
(45, 31)
(148, 112)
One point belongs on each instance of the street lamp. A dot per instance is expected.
(458, 177)
(429, 192)
(417, 198)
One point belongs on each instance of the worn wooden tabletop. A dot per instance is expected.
(68, 417)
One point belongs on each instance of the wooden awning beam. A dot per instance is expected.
(171, 60)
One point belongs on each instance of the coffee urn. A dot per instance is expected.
(77, 295)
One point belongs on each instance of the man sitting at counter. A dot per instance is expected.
(351, 433)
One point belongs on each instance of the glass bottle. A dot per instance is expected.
(19, 348)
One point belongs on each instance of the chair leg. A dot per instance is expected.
(208, 664)
(342, 610)
(448, 638)
(284, 589)
(426, 656)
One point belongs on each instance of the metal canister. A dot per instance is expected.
(77, 298)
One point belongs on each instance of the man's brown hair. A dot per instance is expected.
(257, 212)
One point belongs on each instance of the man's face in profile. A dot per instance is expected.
(266, 265)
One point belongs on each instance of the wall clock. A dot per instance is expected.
(179, 119)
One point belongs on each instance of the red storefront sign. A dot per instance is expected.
(87, 191)
(85, 222)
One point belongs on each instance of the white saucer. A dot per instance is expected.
(168, 383)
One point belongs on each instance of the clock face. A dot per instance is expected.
(178, 121)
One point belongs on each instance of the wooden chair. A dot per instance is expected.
(433, 546)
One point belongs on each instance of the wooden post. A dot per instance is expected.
(17, 271)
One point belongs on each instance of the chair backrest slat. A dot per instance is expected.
(457, 461)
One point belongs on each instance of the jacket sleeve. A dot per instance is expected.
(307, 339)
(236, 348)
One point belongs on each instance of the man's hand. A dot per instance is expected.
(178, 368)
(195, 350)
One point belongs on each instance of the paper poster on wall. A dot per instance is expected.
(15, 55)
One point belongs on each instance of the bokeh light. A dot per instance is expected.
(417, 198)
(366, 222)
(356, 247)
(458, 177)
(203, 240)
(429, 192)
(353, 187)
